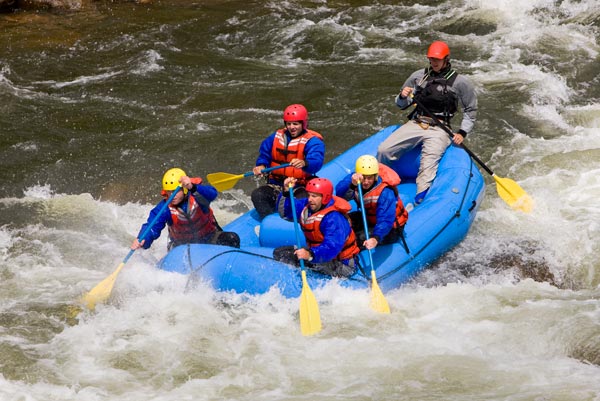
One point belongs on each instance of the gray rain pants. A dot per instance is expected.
(434, 141)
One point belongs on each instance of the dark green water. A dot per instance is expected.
(116, 91)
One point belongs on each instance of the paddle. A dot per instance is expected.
(507, 189)
(101, 292)
(310, 318)
(224, 181)
(378, 302)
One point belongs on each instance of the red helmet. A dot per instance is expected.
(438, 50)
(296, 112)
(321, 186)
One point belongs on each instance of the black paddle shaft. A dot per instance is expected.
(449, 132)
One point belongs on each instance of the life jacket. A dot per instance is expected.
(311, 225)
(193, 225)
(435, 95)
(389, 179)
(284, 151)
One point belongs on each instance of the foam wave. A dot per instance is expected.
(148, 62)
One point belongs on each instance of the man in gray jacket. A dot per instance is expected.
(440, 89)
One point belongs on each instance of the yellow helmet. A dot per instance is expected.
(171, 178)
(367, 165)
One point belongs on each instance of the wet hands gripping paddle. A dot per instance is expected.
(101, 292)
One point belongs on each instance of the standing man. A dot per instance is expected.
(440, 89)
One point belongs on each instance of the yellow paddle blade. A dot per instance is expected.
(513, 194)
(101, 292)
(223, 181)
(310, 318)
(378, 302)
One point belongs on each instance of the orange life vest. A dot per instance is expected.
(311, 227)
(389, 179)
(283, 152)
(193, 225)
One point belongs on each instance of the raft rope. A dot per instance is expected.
(455, 216)
(193, 271)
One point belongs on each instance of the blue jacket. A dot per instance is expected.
(334, 226)
(386, 206)
(314, 154)
(204, 194)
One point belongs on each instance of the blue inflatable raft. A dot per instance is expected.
(433, 228)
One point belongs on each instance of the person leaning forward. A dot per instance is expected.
(384, 210)
(440, 89)
(295, 144)
(189, 216)
(331, 243)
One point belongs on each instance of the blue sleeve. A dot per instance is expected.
(207, 191)
(204, 195)
(264, 152)
(335, 229)
(314, 155)
(287, 207)
(386, 213)
(155, 230)
(342, 189)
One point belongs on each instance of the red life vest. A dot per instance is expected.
(389, 179)
(193, 225)
(283, 152)
(311, 227)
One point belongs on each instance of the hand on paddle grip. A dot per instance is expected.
(137, 244)
(289, 183)
(303, 254)
(258, 170)
(371, 243)
(356, 179)
(297, 163)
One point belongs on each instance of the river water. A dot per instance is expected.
(97, 104)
